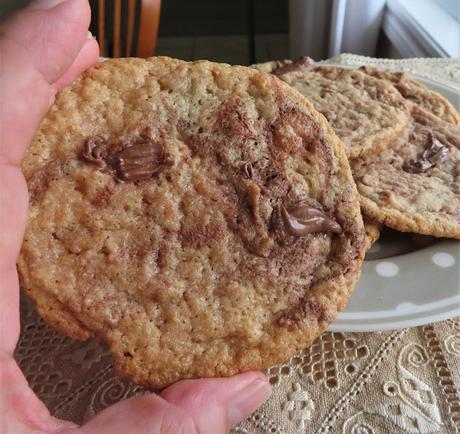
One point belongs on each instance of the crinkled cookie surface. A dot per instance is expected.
(200, 218)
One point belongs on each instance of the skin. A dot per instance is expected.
(42, 49)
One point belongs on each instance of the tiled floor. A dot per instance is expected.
(229, 49)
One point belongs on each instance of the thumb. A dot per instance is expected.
(191, 406)
(217, 400)
(41, 47)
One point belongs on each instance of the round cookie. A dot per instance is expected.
(366, 113)
(200, 218)
(414, 185)
(418, 94)
(279, 67)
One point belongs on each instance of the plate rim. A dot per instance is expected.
(341, 324)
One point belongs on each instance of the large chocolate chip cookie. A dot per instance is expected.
(200, 218)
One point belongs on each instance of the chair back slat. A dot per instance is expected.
(130, 27)
(117, 24)
(148, 28)
(116, 28)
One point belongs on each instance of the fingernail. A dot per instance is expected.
(248, 400)
(89, 35)
(45, 4)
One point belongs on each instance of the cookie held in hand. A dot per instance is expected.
(200, 218)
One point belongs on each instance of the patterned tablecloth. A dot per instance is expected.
(404, 381)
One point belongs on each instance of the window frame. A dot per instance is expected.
(406, 25)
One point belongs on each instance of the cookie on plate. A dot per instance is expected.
(279, 67)
(418, 94)
(372, 231)
(414, 185)
(200, 218)
(365, 112)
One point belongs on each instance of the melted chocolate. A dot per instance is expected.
(137, 160)
(93, 151)
(303, 220)
(302, 64)
(417, 166)
(248, 170)
(435, 152)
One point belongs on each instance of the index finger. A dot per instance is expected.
(30, 50)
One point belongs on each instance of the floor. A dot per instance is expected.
(228, 49)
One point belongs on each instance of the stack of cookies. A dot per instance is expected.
(402, 140)
(203, 219)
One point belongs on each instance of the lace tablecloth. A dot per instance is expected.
(404, 381)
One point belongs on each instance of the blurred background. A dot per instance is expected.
(248, 31)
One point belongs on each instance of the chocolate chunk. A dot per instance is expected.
(302, 64)
(254, 196)
(435, 152)
(248, 170)
(139, 161)
(131, 160)
(417, 166)
(291, 318)
(302, 220)
(93, 151)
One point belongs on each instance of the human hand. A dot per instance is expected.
(43, 48)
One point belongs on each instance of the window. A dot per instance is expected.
(426, 28)
(452, 7)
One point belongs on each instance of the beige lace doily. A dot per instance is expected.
(405, 381)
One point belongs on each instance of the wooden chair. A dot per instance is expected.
(126, 28)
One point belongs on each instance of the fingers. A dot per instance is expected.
(27, 45)
(88, 56)
(37, 46)
(232, 399)
(9, 312)
(144, 414)
(48, 35)
(13, 208)
(24, 99)
(192, 406)
(21, 410)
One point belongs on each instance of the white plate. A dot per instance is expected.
(407, 280)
